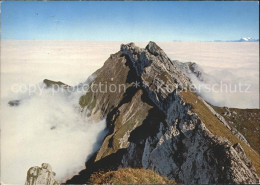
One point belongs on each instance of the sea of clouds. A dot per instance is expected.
(47, 126)
(223, 64)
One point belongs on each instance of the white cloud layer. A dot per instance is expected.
(229, 62)
(26, 135)
(46, 127)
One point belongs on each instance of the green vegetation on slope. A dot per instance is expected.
(113, 75)
(88, 100)
(129, 176)
(246, 121)
(217, 128)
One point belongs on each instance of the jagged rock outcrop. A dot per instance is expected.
(151, 125)
(41, 175)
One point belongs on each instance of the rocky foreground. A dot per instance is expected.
(158, 123)
(41, 175)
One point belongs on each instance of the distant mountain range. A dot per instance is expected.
(248, 39)
(244, 39)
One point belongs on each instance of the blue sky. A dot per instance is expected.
(129, 20)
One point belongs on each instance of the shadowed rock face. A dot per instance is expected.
(151, 125)
(41, 175)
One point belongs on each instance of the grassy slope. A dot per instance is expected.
(246, 121)
(217, 128)
(114, 72)
(129, 176)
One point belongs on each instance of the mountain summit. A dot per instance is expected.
(156, 122)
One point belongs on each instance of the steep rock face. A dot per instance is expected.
(187, 151)
(152, 126)
(41, 175)
(157, 72)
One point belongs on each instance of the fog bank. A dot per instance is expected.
(29, 62)
(46, 127)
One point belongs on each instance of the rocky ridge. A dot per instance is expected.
(222, 120)
(151, 125)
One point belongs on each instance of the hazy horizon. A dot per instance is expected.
(129, 40)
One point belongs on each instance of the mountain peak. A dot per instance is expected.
(155, 124)
(154, 67)
(151, 47)
(131, 44)
(154, 49)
